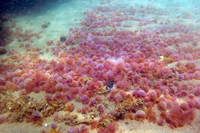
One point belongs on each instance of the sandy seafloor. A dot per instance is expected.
(64, 15)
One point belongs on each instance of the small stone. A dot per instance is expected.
(63, 38)
(45, 24)
(110, 84)
(2, 51)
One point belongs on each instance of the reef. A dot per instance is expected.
(104, 72)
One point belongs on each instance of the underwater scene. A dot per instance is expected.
(100, 66)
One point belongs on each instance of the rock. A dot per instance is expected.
(2, 50)
(45, 24)
(63, 38)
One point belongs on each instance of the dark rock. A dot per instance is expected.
(2, 50)
(63, 38)
(119, 115)
(110, 84)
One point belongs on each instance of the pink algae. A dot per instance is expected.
(151, 63)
